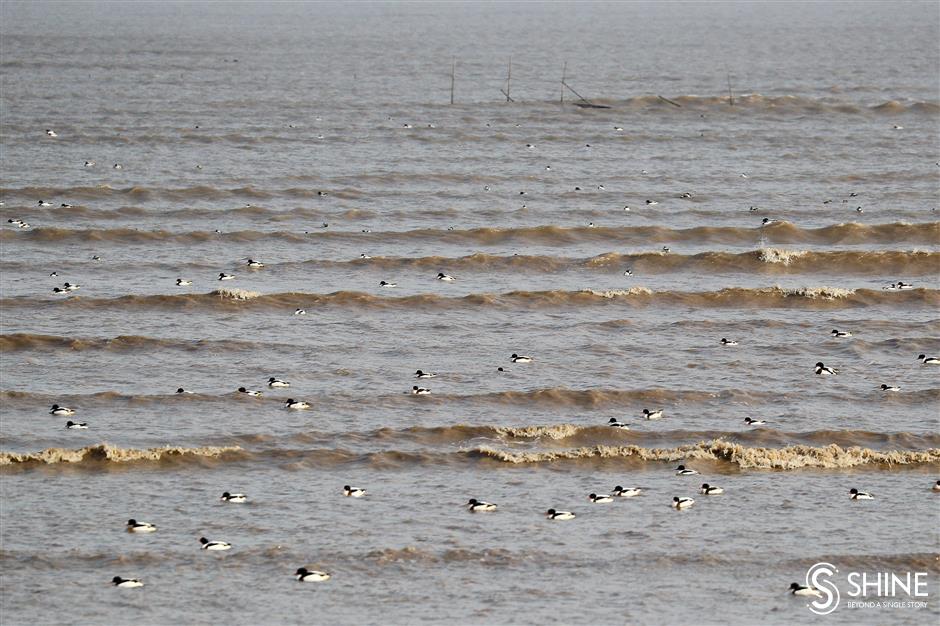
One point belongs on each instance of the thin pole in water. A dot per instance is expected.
(730, 93)
(508, 81)
(564, 74)
(453, 69)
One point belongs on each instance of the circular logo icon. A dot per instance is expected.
(818, 577)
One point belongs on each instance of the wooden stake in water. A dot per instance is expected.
(508, 81)
(564, 74)
(730, 94)
(453, 68)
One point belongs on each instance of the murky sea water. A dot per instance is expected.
(615, 246)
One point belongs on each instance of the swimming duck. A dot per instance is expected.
(478, 505)
(250, 392)
(277, 383)
(855, 494)
(299, 312)
(420, 374)
(71, 287)
(802, 590)
(754, 422)
(181, 390)
(353, 492)
(385, 283)
(559, 515)
(420, 391)
(651, 202)
(133, 526)
(252, 264)
(235, 498)
(890, 388)
(61, 411)
(617, 424)
(710, 490)
(298, 405)
(652, 415)
(183, 283)
(126, 583)
(682, 470)
(445, 277)
(307, 576)
(936, 486)
(76, 425)
(629, 492)
(89, 163)
(44, 203)
(224, 276)
(822, 370)
(601, 498)
(51, 132)
(682, 503)
(516, 358)
(840, 333)
(728, 342)
(929, 360)
(214, 545)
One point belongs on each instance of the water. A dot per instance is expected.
(338, 115)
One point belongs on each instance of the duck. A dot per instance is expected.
(685, 196)
(903, 285)
(216, 546)
(629, 492)
(387, 284)
(803, 590)
(180, 282)
(517, 358)
(936, 486)
(682, 470)
(276, 383)
(768, 222)
(753, 422)
(600, 498)
(728, 342)
(682, 503)
(420, 374)
(890, 388)
(822, 370)
(307, 576)
(59, 290)
(559, 515)
(61, 411)
(250, 392)
(475, 505)
(252, 264)
(628, 272)
(299, 312)
(76, 425)
(445, 277)
(126, 583)
(51, 132)
(652, 415)
(618, 128)
(66, 205)
(353, 492)
(929, 360)
(89, 164)
(71, 287)
(614, 423)
(665, 249)
(420, 391)
(840, 333)
(652, 202)
(181, 390)
(44, 203)
(235, 498)
(364, 256)
(855, 494)
(297, 405)
(224, 276)
(711, 490)
(118, 166)
(133, 526)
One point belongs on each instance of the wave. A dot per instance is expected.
(783, 232)
(104, 453)
(822, 297)
(14, 342)
(783, 104)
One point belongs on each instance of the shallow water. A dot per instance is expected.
(331, 138)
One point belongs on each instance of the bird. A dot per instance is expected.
(601, 498)
(385, 283)
(682, 470)
(44, 203)
(559, 515)
(629, 492)
(516, 358)
(768, 222)
(133, 526)
(51, 132)
(224, 276)
(61, 411)
(822, 370)
(126, 583)
(65, 205)
(614, 423)
(183, 283)
(710, 490)
(254, 265)
(420, 391)
(181, 390)
(685, 196)
(214, 545)
(445, 277)
(936, 486)
(728, 342)
(297, 405)
(364, 256)
(277, 383)
(840, 333)
(420, 374)
(803, 590)
(299, 312)
(118, 166)
(307, 576)
(628, 272)
(682, 503)
(890, 388)
(90, 163)
(652, 202)
(652, 415)
(475, 505)
(665, 249)
(250, 392)
(929, 360)
(76, 425)
(353, 492)
(753, 422)
(855, 494)
(235, 498)
(71, 287)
